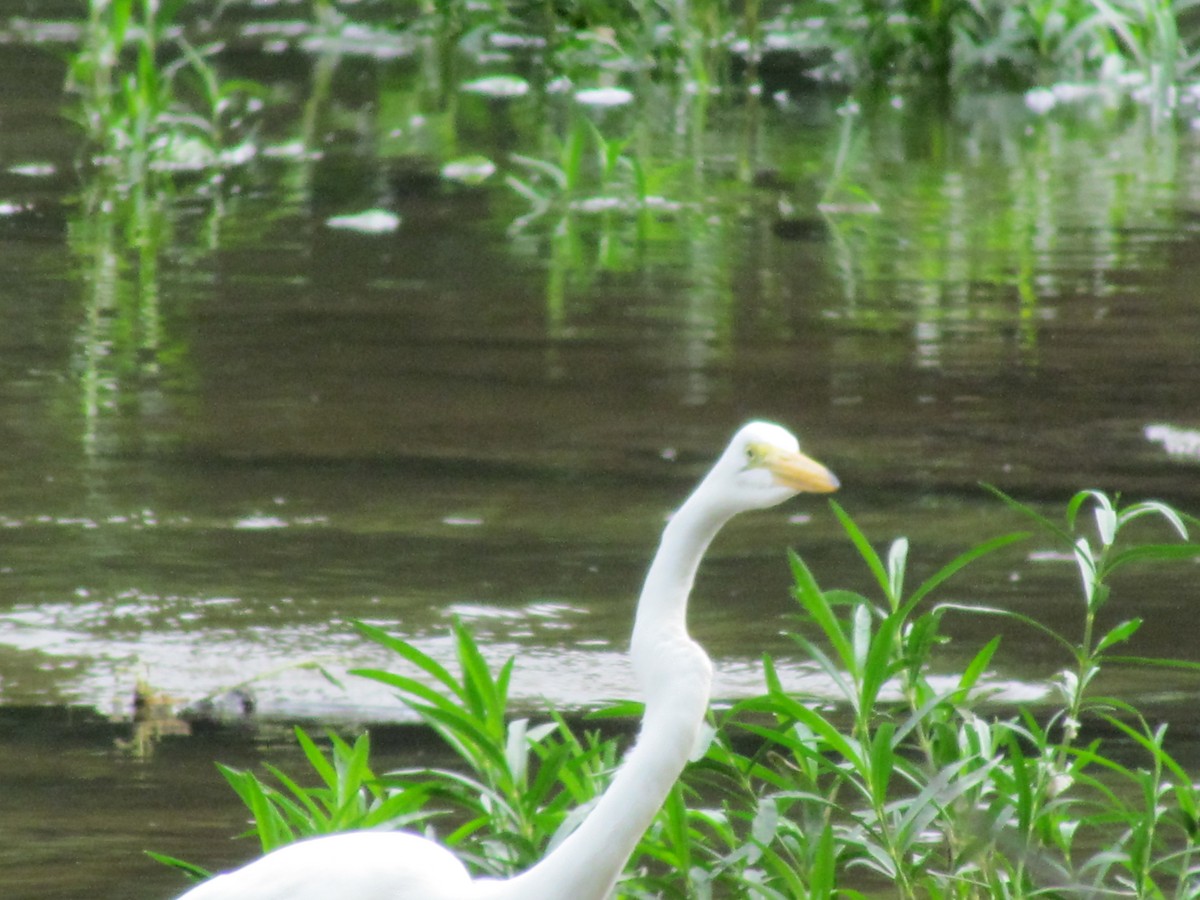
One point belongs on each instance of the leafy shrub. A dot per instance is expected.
(902, 781)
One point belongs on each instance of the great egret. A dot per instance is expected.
(762, 466)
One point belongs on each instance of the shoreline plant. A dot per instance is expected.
(901, 783)
(147, 100)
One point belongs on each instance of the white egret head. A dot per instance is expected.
(762, 467)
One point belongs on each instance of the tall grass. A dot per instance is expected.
(899, 781)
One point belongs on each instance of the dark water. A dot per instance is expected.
(227, 428)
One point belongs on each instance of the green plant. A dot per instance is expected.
(1148, 31)
(128, 77)
(871, 790)
(519, 785)
(349, 797)
(1025, 43)
(615, 177)
(877, 42)
(897, 780)
(1098, 559)
(910, 782)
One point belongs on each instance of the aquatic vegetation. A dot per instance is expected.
(524, 785)
(614, 150)
(603, 180)
(147, 99)
(939, 43)
(908, 779)
(926, 785)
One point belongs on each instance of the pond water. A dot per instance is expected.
(228, 427)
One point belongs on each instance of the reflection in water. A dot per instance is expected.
(965, 326)
(123, 358)
(152, 717)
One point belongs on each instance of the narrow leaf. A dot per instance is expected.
(865, 550)
(1118, 634)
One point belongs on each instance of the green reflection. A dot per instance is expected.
(124, 359)
(719, 212)
(969, 231)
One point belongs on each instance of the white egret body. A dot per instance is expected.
(761, 467)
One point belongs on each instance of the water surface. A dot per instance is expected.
(227, 429)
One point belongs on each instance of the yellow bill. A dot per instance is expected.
(797, 471)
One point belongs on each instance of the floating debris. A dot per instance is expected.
(498, 86)
(505, 41)
(361, 40)
(33, 170)
(1040, 100)
(369, 221)
(260, 523)
(604, 97)
(1178, 442)
(469, 170)
(291, 150)
(463, 521)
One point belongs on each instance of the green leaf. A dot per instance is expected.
(400, 809)
(122, 11)
(1087, 571)
(978, 665)
(272, 830)
(1152, 744)
(823, 873)
(815, 604)
(1028, 512)
(302, 818)
(832, 736)
(408, 652)
(865, 550)
(316, 758)
(1016, 617)
(1118, 634)
(878, 665)
(572, 154)
(413, 691)
(1164, 552)
(194, 871)
(1080, 498)
(551, 171)
(831, 669)
(526, 190)
(882, 761)
(896, 560)
(478, 688)
(861, 641)
(314, 812)
(918, 643)
(1022, 788)
(1186, 665)
(943, 788)
(1156, 507)
(473, 742)
(516, 750)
